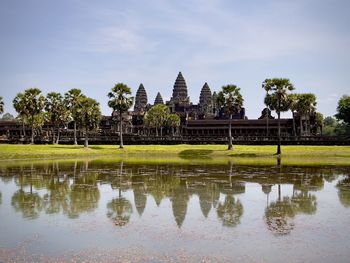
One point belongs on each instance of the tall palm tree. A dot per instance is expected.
(1, 106)
(267, 89)
(72, 101)
(305, 106)
(30, 103)
(278, 89)
(88, 116)
(57, 112)
(120, 101)
(19, 105)
(231, 100)
(293, 100)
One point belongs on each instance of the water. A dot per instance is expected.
(115, 211)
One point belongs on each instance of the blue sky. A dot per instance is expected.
(91, 45)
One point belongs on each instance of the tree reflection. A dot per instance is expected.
(279, 216)
(29, 204)
(57, 198)
(230, 212)
(344, 191)
(305, 202)
(84, 195)
(266, 188)
(119, 210)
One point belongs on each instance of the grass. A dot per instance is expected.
(208, 154)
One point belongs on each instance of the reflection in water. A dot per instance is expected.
(73, 188)
(230, 212)
(344, 191)
(28, 203)
(84, 195)
(140, 198)
(119, 210)
(279, 216)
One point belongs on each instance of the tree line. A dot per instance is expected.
(34, 109)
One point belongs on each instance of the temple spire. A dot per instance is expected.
(140, 99)
(159, 99)
(206, 101)
(180, 95)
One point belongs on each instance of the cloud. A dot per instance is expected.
(115, 39)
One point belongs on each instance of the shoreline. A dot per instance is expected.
(180, 154)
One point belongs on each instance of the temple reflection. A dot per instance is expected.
(73, 188)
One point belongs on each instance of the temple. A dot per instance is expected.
(204, 122)
(205, 118)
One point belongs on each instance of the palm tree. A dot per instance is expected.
(19, 105)
(293, 100)
(277, 96)
(231, 100)
(267, 89)
(30, 104)
(121, 102)
(1, 106)
(88, 116)
(305, 106)
(72, 101)
(57, 112)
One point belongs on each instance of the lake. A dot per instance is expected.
(105, 210)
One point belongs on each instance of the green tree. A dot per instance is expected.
(231, 100)
(19, 105)
(277, 95)
(343, 109)
(173, 122)
(120, 101)
(305, 106)
(1, 105)
(157, 117)
(72, 100)
(57, 113)
(319, 122)
(88, 116)
(29, 104)
(330, 124)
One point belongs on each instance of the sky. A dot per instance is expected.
(92, 45)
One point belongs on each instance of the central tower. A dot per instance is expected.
(180, 96)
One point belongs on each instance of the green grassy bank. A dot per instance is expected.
(216, 154)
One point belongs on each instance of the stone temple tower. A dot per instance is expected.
(206, 101)
(180, 95)
(159, 99)
(140, 99)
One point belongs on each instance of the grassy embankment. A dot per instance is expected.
(208, 154)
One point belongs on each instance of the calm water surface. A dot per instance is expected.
(108, 211)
